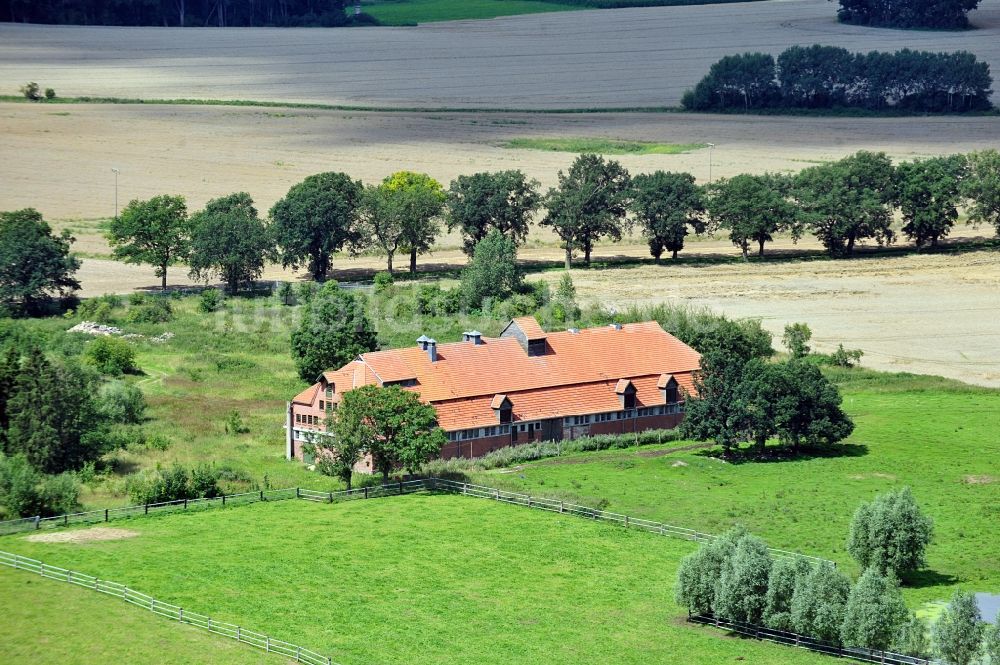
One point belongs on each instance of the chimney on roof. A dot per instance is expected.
(432, 350)
(473, 336)
(574, 331)
(422, 342)
(616, 326)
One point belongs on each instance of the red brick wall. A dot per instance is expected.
(475, 447)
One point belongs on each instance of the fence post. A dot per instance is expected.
(209, 624)
(400, 486)
(41, 569)
(223, 499)
(239, 634)
(498, 494)
(15, 562)
(180, 614)
(626, 521)
(65, 519)
(38, 522)
(69, 576)
(298, 654)
(147, 509)
(267, 644)
(330, 497)
(297, 493)
(105, 514)
(561, 508)
(185, 504)
(529, 501)
(262, 495)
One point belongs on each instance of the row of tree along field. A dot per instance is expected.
(939, 14)
(830, 77)
(734, 578)
(222, 13)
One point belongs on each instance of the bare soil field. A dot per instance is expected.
(59, 158)
(587, 59)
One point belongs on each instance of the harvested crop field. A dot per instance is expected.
(65, 152)
(587, 59)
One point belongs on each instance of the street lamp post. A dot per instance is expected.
(710, 147)
(116, 172)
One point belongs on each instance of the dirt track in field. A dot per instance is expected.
(585, 59)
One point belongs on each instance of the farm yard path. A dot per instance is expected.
(644, 57)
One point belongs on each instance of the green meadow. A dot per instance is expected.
(412, 12)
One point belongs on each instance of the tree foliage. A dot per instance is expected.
(982, 188)
(890, 534)
(111, 355)
(315, 219)
(493, 272)
(699, 572)
(401, 214)
(753, 208)
(156, 232)
(230, 240)
(741, 592)
(848, 201)
(333, 331)
(796, 339)
(590, 203)
(819, 603)
(24, 492)
(34, 262)
(666, 205)
(786, 575)
(482, 202)
(911, 638)
(929, 193)
(875, 612)
(829, 77)
(958, 632)
(942, 14)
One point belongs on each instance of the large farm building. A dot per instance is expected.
(526, 385)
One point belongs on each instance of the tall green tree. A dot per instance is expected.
(392, 425)
(911, 638)
(849, 201)
(230, 240)
(493, 271)
(796, 339)
(947, 14)
(666, 205)
(743, 81)
(419, 200)
(590, 202)
(315, 219)
(819, 603)
(741, 593)
(333, 331)
(929, 194)
(958, 632)
(875, 612)
(786, 575)
(338, 452)
(890, 534)
(699, 572)
(982, 188)
(753, 208)
(156, 232)
(715, 412)
(483, 202)
(806, 407)
(815, 76)
(53, 415)
(34, 262)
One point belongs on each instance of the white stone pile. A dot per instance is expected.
(92, 328)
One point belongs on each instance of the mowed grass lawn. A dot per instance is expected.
(411, 12)
(46, 622)
(935, 436)
(418, 579)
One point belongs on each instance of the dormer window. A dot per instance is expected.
(668, 386)
(625, 390)
(502, 408)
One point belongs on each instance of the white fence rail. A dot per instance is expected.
(175, 612)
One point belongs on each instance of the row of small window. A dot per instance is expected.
(664, 409)
(306, 435)
(478, 432)
(306, 419)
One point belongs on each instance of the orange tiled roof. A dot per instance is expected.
(464, 369)
(307, 396)
(529, 326)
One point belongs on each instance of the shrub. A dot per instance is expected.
(60, 494)
(741, 592)
(286, 294)
(100, 309)
(24, 492)
(958, 632)
(846, 358)
(875, 612)
(992, 643)
(235, 424)
(111, 355)
(205, 481)
(156, 310)
(50, 93)
(890, 534)
(911, 638)
(819, 602)
(209, 301)
(796, 339)
(306, 291)
(173, 484)
(122, 403)
(383, 282)
(136, 299)
(30, 90)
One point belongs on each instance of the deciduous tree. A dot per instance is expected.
(875, 612)
(929, 193)
(156, 232)
(796, 339)
(666, 205)
(34, 262)
(482, 202)
(753, 208)
(982, 188)
(890, 534)
(741, 592)
(819, 602)
(806, 407)
(230, 240)
(493, 271)
(958, 632)
(699, 572)
(590, 202)
(786, 574)
(334, 330)
(315, 219)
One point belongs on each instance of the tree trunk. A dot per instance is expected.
(761, 252)
(569, 255)
(674, 255)
(413, 261)
(389, 263)
(385, 476)
(850, 245)
(163, 278)
(586, 253)
(746, 251)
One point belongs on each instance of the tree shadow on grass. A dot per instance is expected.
(774, 454)
(928, 578)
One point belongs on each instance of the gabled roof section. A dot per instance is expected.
(500, 402)
(307, 396)
(665, 380)
(624, 386)
(502, 366)
(529, 326)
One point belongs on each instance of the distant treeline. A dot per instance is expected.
(939, 14)
(237, 13)
(829, 77)
(621, 4)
